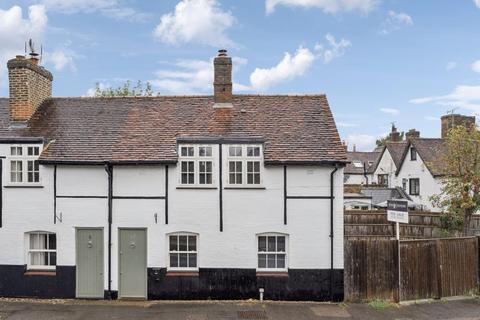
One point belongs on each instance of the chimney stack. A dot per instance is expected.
(29, 84)
(450, 121)
(412, 134)
(222, 83)
(394, 135)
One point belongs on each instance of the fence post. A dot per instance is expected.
(438, 264)
(399, 271)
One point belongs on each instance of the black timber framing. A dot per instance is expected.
(220, 182)
(287, 197)
(1, 190)
(166, 194)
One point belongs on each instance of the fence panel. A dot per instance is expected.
(458, 264)
(370, 270)
(419, 270)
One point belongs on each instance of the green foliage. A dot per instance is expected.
(379, 304)
(125, 90)
(382, 141)
(460, 195)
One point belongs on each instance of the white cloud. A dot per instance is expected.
(201, 21)
(476, 64)
(362, 142)
(396, 21)
(192, 77)
(463, 96)
(391, 111)
(346, 124)
(15, 30)
(101, 85)
(477, 2)
(111, 8)
(451, 65)
(290, 67)
(334, 50)
(60, 59)
(329, 6)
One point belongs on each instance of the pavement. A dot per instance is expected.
(16, 309)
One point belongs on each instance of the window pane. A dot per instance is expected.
(30, 165)
(30, 151)
(191, 165)
(184, 166)
(30, 177)
(271, 244)
(202, 166)
(280, 244)
(231, 178)
(192, 260)
(183, 260)
(52, 241)
(173, 260)
(256, 178)
(209, 178)
(262, 260)
(270, 261)
(235, 151)
(256, 166)
(191, 179)
(202, 178)
(184, 178)
(36, 177)
(53, 258)
(238, 178)
(238, 166)
(173, 243)
(262, 244)
(209, 166)
(250, 178)
(182, 246)
(253, 151)
(205, 151)
(231, 166)
(280, 261)
(249, 166)
(38, 258)
(192, 243)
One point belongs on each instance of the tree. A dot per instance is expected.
(383, 141)
(125, 90)
(460, 193)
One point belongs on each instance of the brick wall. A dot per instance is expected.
(223, 79)
(29, 85)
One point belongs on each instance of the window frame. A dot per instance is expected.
(187, 234)
(29, 250)
(24, 158)
(413, 154)
(383, 175)
(417, 193)
(196, 159)
(245, 159)
(258, 252)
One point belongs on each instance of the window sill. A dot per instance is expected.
(196, 188)
(272, 273)
(180, 273)
(34, 186)
(244, 188)
(47, 273)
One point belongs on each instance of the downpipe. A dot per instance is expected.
(331, 229)
(109, 170)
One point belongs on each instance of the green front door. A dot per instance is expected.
(89, 265)
(132, 263)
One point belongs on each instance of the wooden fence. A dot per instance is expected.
(431, 268)
(374, 225)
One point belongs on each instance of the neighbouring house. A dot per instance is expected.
(375, 197)
(359, 170)
(416, 164)
(170, 197)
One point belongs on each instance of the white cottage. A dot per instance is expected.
(191, 197)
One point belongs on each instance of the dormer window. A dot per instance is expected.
(24, 166)
(196, 166)
(413, 154)
(244, 163)
(357, 164)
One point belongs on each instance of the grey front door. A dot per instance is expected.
(89, 258)
(132, 263)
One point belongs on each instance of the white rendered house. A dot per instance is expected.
(191, 197)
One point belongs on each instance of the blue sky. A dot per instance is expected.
(378, 61)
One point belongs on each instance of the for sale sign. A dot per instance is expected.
(397, 211)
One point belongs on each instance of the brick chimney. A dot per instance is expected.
(412, 134)
(30, 85)
(222, 83)
(450, 121)
(394, 135)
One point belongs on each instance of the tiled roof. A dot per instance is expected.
(295, 129)
(432, 151)
(363, 158)
(397, 150)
